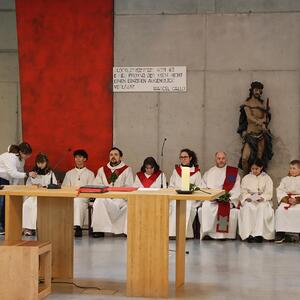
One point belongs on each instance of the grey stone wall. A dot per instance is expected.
(9, 76)
(225, 47)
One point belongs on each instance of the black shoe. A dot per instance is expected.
(279, 237)
(258, 239)
(78, 231)
(98, 234)
(250, 239)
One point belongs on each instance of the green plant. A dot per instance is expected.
(193, 187)
(225, 197)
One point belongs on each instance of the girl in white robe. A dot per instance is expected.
(256, 218)
(287, 217)
(43, 178)
(187, 158)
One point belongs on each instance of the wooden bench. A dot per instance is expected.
(25, 270)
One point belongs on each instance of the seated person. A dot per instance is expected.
(109, 215)
(287, 216)
(79, 176)
(43, 178)
(218, 220)
(188, 158)
(150, 175)
(256, 218)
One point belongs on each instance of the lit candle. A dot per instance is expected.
(185, 178)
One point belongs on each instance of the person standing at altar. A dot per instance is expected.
(218, 219)
(287, 217)
(109, 215)
(150, 175)
(12, 171)
(188, 158)
(79, 176)
(256, 218)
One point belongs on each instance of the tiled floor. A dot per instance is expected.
(214, 270)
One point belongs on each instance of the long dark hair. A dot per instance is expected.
(41, 158)
(150, 161)
(192, 154)
(255, 85)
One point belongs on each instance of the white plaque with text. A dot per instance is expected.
(149, 79)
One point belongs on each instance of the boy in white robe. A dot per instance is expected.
(109, 214)
(187, 158)
(256, 218)
(215, 178)
(79, 176)
(287, 217)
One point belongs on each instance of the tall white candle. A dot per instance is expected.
(185, 178)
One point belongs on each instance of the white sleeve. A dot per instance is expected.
(173, 180)
(67, 181)
(91, 178)
(236, 191)
(198, 179)
(268, 192)
(244, 190)
(129, 177)
(11, 169)
(98, 179)
(282, 190)
(137, 183)
(203, 183)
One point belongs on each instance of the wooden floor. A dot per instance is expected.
(214, 270)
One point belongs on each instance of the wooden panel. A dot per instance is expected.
(55, 224)
(180, 242)
(147, 246)
(19, 273)
(13, 217)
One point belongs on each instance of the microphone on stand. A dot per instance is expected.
(51, 185)
(162, 163)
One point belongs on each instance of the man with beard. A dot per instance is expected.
(109, 214)
(218, 218)
(253, 128)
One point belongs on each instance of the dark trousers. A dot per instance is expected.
(2, 203)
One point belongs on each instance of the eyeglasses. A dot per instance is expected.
(182, 157)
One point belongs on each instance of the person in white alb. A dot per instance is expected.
(218, 219)
(11, 171)
(256, 218)
(188, 158)
(109, 214)
(42, 179)
(287, 217)
(79, 176)
(150, 175)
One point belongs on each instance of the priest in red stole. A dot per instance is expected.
(219, 219)
(188, 158)
(109, 214)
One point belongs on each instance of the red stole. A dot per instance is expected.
(108, 172)
(147, 182)
(178, 170)
(224, 207)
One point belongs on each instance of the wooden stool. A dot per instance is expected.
(23, 263)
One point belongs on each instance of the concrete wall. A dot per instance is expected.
(224, 48)
(225, 44)
(9, 76)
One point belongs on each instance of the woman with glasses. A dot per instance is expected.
(187, 158)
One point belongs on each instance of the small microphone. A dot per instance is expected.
(162, 161)
(51, 185)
